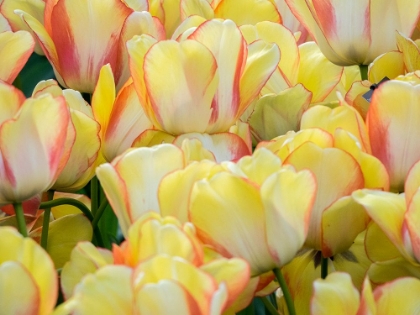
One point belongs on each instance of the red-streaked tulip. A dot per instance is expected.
(77, 41)
(356, 32)
(28, 278)
(32, 143)
(388, 125)
(84, 144)
(231, 76)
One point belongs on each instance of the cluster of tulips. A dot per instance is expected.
(211, 157)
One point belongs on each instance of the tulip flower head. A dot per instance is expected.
(356, 32)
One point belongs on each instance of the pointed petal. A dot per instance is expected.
(228, 47)
(103, 98)
(127, 121)
(390, 64)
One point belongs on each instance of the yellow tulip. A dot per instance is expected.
(28, 279)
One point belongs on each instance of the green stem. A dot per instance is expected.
(94, 194)
(20, 218)
(68, 201)
(46, 222)
(364, 72)
(324, 267)
(285, 290)
(268, 305)
(99, 213)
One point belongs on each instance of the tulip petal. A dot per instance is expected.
(385, 271)
(399, 296)
(274, 115)
(36, 261)
(334, 295)
(337, 174)
(131, 182)
(343, 215)
(126, 122)
(177, 90)
(287, 214)
(378, 246)
(410, 52)
(228, 47)
(85, 259)
(247, 11)
(390, 64)
(392, 129)
(387, 210)
(239, 233)
(224, 146)
(316, 72)
(262, 61)
(15, 49)
(174, 189)
(22, 297)
(73, 25)
(27, 177)
(11, 100)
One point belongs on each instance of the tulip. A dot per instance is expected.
(231, 75)
(337, 295)
(78, 43)
(25, 132)
(28, 277)
(387, 125)
(83, 140)
(132, 180)
(356, 32)
(257, 199)
(153, 243)
(394, 229)
(334, 209)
